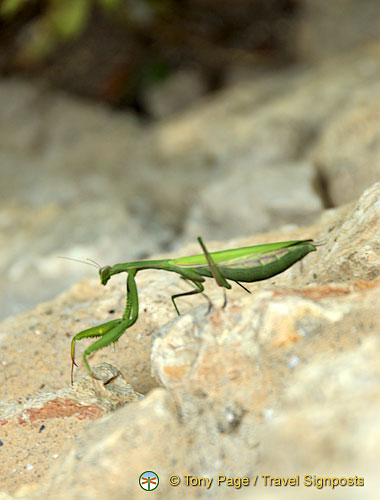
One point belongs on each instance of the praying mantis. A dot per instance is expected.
(246, 264)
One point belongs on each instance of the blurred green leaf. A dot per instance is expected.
(69, 17)
(10, 7)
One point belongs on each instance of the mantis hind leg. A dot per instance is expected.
(215, 271)
(199, 288)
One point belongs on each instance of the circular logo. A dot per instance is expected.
(148, 480)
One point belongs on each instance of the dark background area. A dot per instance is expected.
(112, 51)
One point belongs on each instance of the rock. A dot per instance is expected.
(348, 152)
(179, 91)
(331, 28)
(50, 420)
(246, 205)
(282, 380)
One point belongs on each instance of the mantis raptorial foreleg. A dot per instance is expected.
(106, 339)
(112, 330)
(96, 331)
(132, 303)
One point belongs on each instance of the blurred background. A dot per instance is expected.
(130, 127)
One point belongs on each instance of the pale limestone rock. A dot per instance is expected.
(279, 381)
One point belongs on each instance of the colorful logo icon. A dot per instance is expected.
(148, 480)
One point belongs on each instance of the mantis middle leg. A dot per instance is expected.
(199, 288)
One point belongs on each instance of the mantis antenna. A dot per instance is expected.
(91, 262)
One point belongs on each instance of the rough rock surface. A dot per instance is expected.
(282, 382)
(335, 27)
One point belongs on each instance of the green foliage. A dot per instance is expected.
(68, 17)
(59, 20)
(10, 7)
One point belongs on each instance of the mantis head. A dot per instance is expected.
(105, 274)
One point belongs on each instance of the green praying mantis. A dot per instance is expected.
(246, 264)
